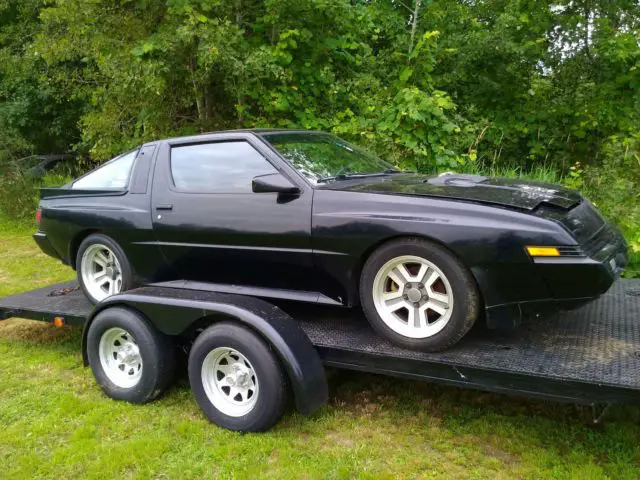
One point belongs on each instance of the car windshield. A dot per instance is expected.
(323, 158)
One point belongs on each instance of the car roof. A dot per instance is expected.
(267, 131)
(256, 131)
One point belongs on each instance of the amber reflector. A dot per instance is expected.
(543, 251)
(58, 321)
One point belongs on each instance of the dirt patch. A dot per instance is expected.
(335, 438)
(274, 457)
(505, 458)
(30, 330)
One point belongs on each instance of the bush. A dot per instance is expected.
(21, 194)
(614, 186)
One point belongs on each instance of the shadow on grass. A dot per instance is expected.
(357, 391)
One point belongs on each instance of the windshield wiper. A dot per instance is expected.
(349, 176)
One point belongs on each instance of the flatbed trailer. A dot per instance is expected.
(587, 356)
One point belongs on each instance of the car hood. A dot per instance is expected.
(518, 194)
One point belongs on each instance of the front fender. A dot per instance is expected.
(175, 311)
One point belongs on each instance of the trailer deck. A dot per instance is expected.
(590, 355)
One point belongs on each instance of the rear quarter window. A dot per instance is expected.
(113, 174)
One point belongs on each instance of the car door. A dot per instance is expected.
(213, 228)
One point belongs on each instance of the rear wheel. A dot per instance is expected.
(129, 358)
(102, 267)
(419, 295)
(237, 379)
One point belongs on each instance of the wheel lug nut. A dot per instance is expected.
(416, 304)
(420, 286)
(405, 296)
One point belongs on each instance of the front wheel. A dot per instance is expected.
(237, 379)
(418, 295)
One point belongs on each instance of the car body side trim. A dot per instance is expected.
(103, 207)
(239, 247)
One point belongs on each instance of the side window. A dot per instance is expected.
(113, 174)
(223, 167)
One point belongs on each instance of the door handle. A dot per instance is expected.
(164, 207)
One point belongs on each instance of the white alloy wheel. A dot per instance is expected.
(101, 272)
(412, 296)
(230, 382)
(120, 357)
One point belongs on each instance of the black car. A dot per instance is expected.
(306, 216)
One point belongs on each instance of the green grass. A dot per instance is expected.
(22, 265)
(539, 173)
(57, 424)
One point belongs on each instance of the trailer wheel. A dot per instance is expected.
(237, 379)
(130, 360)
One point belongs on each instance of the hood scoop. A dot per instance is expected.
(456, 180)
(516, 193)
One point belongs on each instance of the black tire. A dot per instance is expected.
(125, 266)
(273, 392)
(466, 305)
(156, 351)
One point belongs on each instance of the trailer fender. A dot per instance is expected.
(173, 315)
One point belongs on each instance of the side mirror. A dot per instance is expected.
(273, 183)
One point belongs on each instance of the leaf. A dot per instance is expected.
(406, 74)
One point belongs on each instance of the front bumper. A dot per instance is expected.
(45, 245)
(570, 281)
(589, 276)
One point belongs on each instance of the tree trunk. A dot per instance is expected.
(587, 32)
(239, 12)
(210, 101)
(414, 23)
(196, 91)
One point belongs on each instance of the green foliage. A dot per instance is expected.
(21, 191)
(615, 182)
(493, 81)
(613, 185)
(35, 113)
(19, 196)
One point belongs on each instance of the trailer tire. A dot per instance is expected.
(130, 359)
(237, 379)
